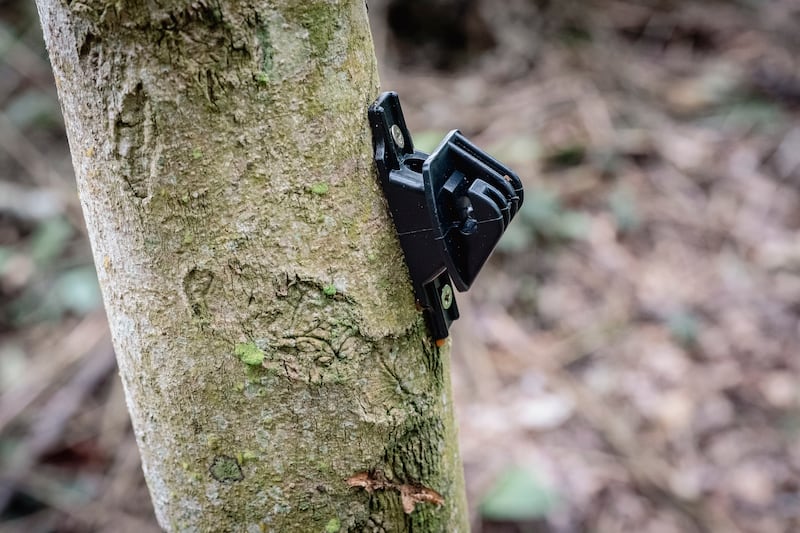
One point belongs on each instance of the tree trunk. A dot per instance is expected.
(277, 373)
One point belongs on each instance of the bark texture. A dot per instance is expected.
(277, 373)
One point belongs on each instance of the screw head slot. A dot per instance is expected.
(447, 296)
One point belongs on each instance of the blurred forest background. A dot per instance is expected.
(629, 359)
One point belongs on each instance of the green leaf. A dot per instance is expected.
(567, 156)
(750, 114)
(683, 326)
(573, 225)
(518, 237)
(521, 149)
(13, 365)
(34, 108)
(428, 140)
(543, 212)
(50, 239)
(623, 206)
(77, 290)
(518, 495)
(541, 208)
(6, 253)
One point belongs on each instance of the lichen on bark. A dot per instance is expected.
(264, 325)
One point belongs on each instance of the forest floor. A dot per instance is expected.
(629, 360)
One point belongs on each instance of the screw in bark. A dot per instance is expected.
(397, 135)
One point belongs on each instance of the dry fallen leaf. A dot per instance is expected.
(363, 480)
(410, 495)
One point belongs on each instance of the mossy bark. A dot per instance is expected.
(264, 324)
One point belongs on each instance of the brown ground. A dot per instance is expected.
(629, 359)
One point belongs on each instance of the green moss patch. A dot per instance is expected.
(226, 469)
(319, 189)
(249, 353)
(333, 525)
(264, 40)
(320, 19)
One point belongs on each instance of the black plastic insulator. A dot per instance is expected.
(450, 208)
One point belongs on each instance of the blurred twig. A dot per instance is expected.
(55, 415)
(30, 203)
(87, 516)
(27, 154)
(19, 56)
(88, 334)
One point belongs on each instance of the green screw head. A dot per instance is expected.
(447, 296)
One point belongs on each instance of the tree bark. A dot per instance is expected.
(277, 373)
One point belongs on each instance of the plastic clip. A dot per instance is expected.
(450, 208)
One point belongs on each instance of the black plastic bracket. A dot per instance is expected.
(450, 208)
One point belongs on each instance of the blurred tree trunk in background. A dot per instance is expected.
(276, 371)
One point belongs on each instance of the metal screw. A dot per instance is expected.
(397, 135)
(447, 296)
